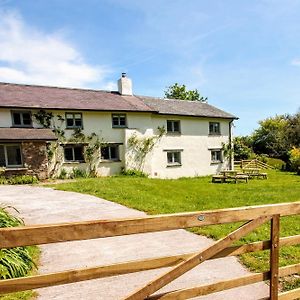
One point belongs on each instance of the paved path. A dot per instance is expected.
(39, 205)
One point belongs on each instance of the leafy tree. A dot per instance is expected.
(177, 91)
(293, 130)
(242, 146)
(270, 137)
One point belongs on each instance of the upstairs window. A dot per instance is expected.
(110, 152)
(74, 153)
(21, 119)
(214, 128)
(119, 121)
(173, 126)
(10, 156)
(73, 120)
(174, 158)
(216, 156)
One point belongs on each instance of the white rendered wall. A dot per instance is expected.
(194, 141)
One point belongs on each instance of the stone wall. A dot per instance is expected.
(35, 158)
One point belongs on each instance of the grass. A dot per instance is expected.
(16, 262)
(156, 196)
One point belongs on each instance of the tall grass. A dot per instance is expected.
(14, 262)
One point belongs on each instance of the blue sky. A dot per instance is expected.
(243, 55)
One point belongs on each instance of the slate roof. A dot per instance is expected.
(45, 97)
(16, 134)
(185, 108)
(32, 96)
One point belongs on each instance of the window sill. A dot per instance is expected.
(110, 160)
(173, 133)
(21, 126)
(75, 162)
(15, 169)
(119, 127)
(174, 165)
(72, 128)
(214, 134)
(216, 162)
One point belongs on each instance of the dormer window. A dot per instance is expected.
(21, 118)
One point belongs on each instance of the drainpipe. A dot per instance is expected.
(231, 164)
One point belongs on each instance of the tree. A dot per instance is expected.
(242, 146)
(177, 91)
(293, 130)
(270, 137)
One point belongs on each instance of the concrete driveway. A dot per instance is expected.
(40, 205)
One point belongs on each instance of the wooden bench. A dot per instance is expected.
(241, 177)
(263, 175)
(218, 178)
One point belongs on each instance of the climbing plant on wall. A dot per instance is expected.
(92, 142)
(141, 146)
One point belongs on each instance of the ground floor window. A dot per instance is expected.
(10, 155)
(74, 153)
(174, 158)
(216, 156)
(110, 152)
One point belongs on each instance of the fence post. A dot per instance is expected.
(274, 257)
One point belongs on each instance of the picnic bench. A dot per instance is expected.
(229, 176)
(254, 173)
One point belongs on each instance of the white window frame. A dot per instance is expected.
(174, 163)
(213, 161)
(109, 146)
(118, 116)
(73, 153)
(173, 131)
(213, 132)
(6, 156)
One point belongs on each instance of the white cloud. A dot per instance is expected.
(28, 55)
(295, 62)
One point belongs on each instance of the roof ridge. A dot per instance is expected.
(56, 87)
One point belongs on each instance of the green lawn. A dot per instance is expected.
(156, 196)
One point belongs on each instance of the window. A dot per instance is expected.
(21, 118)
(110, 152)
(174, 158)
(73, 120)
(74, 153)
(119, 121)
(10, 156)
(216, 156)
(214, 128)
(173, 126)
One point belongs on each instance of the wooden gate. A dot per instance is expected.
(254, 216)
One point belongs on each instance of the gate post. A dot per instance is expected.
(274, 257)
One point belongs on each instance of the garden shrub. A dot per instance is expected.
(63, 174)
(78, 173)
(14, 262)
(295, 159)
(133, 173)
(19, 179)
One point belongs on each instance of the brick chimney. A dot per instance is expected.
(125, 85)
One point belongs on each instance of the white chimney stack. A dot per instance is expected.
(125, 85)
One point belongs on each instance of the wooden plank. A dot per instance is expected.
(70, 276)
(224, 285)
(290, 295)
(274, 257)
(195, 260)
(54, 233)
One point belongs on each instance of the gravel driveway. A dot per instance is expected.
(40, 205)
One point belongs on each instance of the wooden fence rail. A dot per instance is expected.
(254, 215)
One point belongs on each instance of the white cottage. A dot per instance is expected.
(44, 130)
